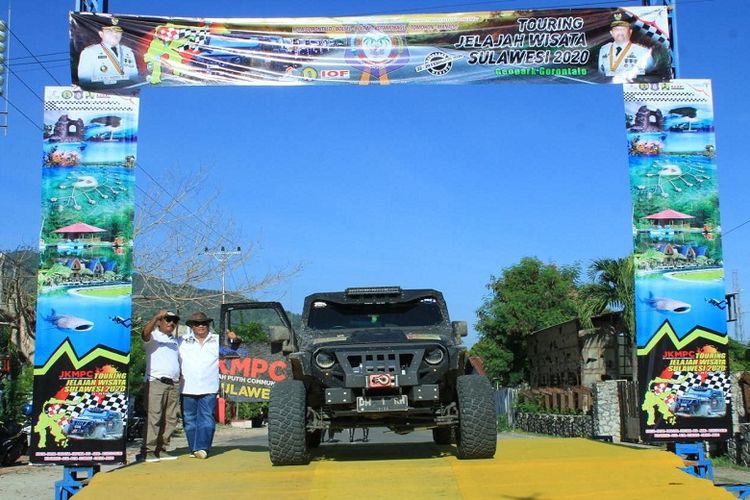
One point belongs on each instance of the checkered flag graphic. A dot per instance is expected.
(196, 36)
(652, 32)
(710, 380)
(76, 402)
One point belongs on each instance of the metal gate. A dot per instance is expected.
(630, 416)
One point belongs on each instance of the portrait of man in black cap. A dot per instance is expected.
(622, 59)
(109, 62)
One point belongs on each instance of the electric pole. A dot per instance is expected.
(222, 256)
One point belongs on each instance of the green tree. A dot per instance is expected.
(137, 366)
(739, 356)
(612, 288)
(497, 359)
(528, 296)
(251, 332)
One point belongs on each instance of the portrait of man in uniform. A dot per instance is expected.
(622, 59)
(108, 63)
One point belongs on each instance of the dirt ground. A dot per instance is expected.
(25, 481)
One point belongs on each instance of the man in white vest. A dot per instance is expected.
(622, 59)
(109, 62)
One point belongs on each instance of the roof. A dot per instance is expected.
(669, 214)
(80, 227)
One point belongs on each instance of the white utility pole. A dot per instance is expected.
(222, 256)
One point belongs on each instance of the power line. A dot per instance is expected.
(736, 227)
(39, 55)
(192, 214)
(34, 56)
(35, 124)
(24, 83)
(34, 63)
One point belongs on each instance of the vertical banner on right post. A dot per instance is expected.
(680, 307)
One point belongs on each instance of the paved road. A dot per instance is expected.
(240, 458)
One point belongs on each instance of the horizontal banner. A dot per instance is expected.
(600, 45)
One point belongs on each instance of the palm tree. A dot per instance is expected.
(612, 287)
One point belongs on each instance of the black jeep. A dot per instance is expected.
(377, 357)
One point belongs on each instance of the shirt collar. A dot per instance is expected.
(192, 338)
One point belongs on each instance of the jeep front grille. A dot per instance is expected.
(380, 362)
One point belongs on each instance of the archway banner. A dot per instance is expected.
(594, 45)
(80, 405)
(680, 306)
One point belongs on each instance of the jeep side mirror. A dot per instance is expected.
(278, 334)
(281, 339)
(460, 329)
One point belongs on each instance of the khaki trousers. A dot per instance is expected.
(161, 406)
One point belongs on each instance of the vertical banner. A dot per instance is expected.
(84, 281)
(680, 305)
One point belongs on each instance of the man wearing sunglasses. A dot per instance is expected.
(199, 357)
(162, 383)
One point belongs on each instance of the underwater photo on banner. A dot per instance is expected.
(592, 45)
(680, 305)
(80, 405)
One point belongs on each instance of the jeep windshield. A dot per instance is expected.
(329, 315)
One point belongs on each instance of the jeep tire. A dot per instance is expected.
(476, 435)
(287, 440)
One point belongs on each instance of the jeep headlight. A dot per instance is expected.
(434, 356)
(324, 360)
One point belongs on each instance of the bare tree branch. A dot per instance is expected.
(172, 231)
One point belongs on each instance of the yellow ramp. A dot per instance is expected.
(523, 469)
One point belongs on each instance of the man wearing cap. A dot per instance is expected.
(108, 62)
(622, 59)
(199, 357)
(162, 379)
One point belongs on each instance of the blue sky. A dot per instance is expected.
(422, 186)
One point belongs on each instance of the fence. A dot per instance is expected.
(556, 400)
(505, 402)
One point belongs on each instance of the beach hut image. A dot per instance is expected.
(671, 219)
(688, 251)
(81, 232)
(669, 253)
(75, 266)
(110, 266)
(96, 267)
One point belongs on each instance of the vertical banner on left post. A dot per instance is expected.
(84, 282)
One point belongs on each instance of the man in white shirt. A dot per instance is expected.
(109, 62)
(199, 357)
(162, 379)
(622, 59)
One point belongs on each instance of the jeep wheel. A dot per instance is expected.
(287, 443)
(476, 435)
(442, 435)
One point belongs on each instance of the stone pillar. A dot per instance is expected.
(607, 410)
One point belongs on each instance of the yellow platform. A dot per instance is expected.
(522, 469)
